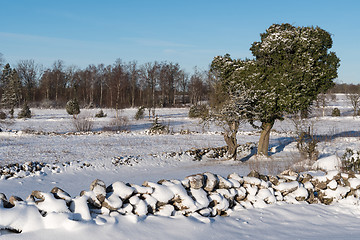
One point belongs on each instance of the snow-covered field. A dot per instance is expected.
(48, 137)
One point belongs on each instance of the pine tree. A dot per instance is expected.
(72, 107)
(25, 111)
(11, 88)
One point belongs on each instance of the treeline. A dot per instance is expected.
(120, 85)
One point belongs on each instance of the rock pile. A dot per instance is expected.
(200, 195)
(20, 170)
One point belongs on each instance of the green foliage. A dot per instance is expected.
(25, 112)
(100, 114)
(72, 107)
(158, 128)
(198, 111)
(335, 112)
(140, 113)
(11, 87)
(351, 161)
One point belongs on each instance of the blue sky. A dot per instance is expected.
(188, 32)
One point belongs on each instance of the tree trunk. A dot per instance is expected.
(264, 138)
(231, 141)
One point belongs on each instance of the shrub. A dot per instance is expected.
(25, 112)
(306, 141)
(335, 112)
(118, 124)
(83, 124)
(100, 114)
(198, 111)
(158, 128)
(351, 161)
(72, 107)
(2, 115)
(140, 113)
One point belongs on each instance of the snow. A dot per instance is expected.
(90, 157)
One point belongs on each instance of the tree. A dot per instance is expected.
(11, 87)
(354, 99)
(149, 75)
(232, 102)
(25, 111)
(292, 66)
(72, 107)
(29, 73)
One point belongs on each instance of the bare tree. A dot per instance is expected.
(149, 74)
(134, 79)
(29, 73)
(354, 99)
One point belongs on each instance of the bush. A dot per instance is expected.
(72, 107)
(118, 124)
(2, 115)
(100, 114)
(25, 112)
(140, 113)
(158, 128)
(306, 141)
(83, 124)
(351, 161)
(198, 111)
(335, 112)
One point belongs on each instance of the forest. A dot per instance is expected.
(120, 85)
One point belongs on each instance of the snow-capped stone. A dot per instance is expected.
(196, 181)
(51, 204)
(220, 203)
(308, 185)
(266, 195)
(241, 194)
(150, 201)
(201, 197)
(332, 185)
(80, 207)
(140, 208)
(337, 194)
(140, 189)
(61, 194)
(126, 209)
(251, 189)
(112, 201)
(224, 183)
(354, 183)
(121, 189)
(236, 177)
(166, 210)
(300, 194)
(99, 188)
(211, 182)
(252, 180)
(287, 187)
(161, 193)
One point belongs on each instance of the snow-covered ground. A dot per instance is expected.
(49, 137)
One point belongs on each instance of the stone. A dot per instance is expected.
(99, 188)
(254, 173)
(196, 181)
(61, 194)
(14, 199)
(211, 182)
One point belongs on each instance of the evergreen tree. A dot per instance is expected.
(11, 88)
(292, 66)
(72, 107)
(25, 111)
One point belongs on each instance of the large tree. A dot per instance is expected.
(292, 66)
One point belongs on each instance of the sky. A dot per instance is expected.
(188, 32)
